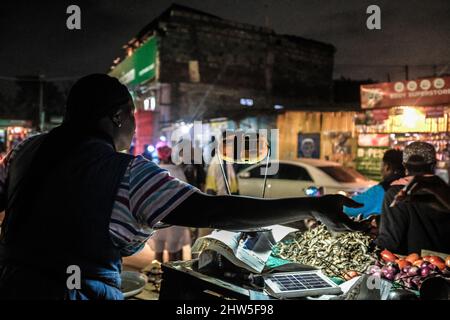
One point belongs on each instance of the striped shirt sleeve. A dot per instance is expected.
(154, 193)
(146, 195)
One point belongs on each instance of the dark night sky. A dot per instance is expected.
(34, 37)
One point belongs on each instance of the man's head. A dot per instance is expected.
(101, 102)
(392, 163)
(419, 158)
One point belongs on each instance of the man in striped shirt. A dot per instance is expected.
(85, 204)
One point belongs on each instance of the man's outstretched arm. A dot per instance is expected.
(237, 212)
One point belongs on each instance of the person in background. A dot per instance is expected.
(173, 238)
(422, 187)
(372, 199)
(215, 181)
(195, 176)
(195, 172)
(429, 188)
(410, 226)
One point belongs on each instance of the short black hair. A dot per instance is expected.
(394, 159)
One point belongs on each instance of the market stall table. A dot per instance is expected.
(181, 281)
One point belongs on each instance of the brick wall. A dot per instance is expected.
(239, 61)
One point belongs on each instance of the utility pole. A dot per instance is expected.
(41, 103)
(406, 72)
(266, 17)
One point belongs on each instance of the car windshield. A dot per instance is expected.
(342, 174)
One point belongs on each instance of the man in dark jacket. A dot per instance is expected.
(410, 226)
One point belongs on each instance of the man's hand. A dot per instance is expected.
(330, 213)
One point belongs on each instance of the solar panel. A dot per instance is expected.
(300, 284)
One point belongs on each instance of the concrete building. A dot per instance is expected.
(188, 65)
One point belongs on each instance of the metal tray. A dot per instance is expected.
(132, 283)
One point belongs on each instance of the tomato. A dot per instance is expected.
(427, 258)
(350, 275)
(412, 257)
(403, 263)
(388, 256)
(418, 263)
(447, 262)
(434, 259)
(438, 262)
(440, 265)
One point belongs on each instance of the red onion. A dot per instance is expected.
(425, 272)
(377, 274)
(434, 268)
(392, 268)
(416, 281)
(413, 271)
(373, 269)
(389, 275)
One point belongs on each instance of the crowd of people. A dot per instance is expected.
(410, 206)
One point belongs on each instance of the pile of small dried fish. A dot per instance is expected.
(335, 255)
(154, 274)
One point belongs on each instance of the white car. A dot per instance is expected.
(293, 177)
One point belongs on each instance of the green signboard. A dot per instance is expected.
(14, 123)
(368, 161)
(139, 67)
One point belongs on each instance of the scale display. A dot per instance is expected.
(300, 284)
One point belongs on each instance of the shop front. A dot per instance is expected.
(398, 113)
(12, 132)
(320, 135)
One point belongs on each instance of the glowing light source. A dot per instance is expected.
(17, 130)
(163, 138)
(278, 107)
(246, 102)
(150, 104)
(412, 117)
(185, 128)
(151, 148)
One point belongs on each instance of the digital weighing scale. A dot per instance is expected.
(300, 284)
